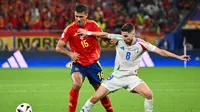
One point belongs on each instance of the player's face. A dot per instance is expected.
(80, 18)
(128, 37)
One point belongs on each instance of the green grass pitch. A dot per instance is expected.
(175, 89)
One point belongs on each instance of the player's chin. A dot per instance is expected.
(80, 23)
(128, 41)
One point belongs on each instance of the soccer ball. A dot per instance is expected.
(24, 107)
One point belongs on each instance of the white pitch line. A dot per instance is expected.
(27, 85)
(190, 91)
(27, 91)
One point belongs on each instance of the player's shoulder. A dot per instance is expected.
(141, 41)
(92, 22)
(69, 26)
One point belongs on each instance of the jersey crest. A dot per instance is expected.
(135, 50)
(122, 47)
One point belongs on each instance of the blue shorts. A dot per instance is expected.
(93, 72)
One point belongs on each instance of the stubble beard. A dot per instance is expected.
(129, 42)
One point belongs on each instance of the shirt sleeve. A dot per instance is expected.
(147, 46)
(96, 28)
(65, 35)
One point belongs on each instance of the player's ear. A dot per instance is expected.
(87, 16)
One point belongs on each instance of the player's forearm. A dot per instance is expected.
(99, 34)
(63, 51)
(106, 35)
(168, 54)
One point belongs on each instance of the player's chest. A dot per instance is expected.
(75, 36)
(81, 41)
(129, 52)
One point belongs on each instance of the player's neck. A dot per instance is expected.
(133, 42)
(82, 26)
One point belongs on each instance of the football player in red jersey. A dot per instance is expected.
(84, 52)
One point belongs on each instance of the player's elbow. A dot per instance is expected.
(57, 49)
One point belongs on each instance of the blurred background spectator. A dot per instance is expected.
(154, 19)
(148, 15)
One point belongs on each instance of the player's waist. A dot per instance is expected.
(133, 69)
(87, 62)
(124, 73)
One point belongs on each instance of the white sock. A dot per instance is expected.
(148, 105)
(87, 106)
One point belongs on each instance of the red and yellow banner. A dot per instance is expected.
(6, 41)
(28, 40)
(47, 41)
(36, 42)
(151, 37)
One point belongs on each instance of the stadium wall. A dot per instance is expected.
(37, 50)
(53, 59)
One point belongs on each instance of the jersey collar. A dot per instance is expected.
(135, 41)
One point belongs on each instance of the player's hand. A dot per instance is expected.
(74, 56)
(82, 32)
(184, 57)
(113, 41)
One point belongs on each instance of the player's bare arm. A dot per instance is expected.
(104, 35)
(84, 33)
(61, 49)
(165, 53)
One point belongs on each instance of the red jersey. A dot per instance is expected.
(88, 47)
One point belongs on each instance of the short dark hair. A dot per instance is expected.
(128, 27)
(81, 8)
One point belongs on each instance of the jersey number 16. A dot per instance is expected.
(84, 43)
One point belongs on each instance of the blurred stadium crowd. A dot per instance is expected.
(148, 15)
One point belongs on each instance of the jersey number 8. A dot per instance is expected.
(128, 55)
